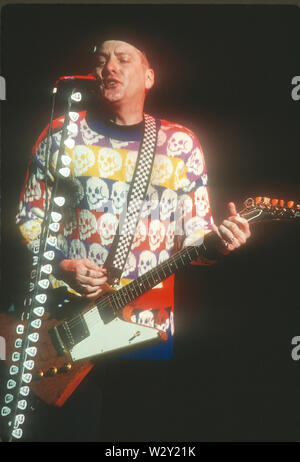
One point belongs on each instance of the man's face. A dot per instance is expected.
(124, 73)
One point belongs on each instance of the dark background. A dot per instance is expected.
(225, 72)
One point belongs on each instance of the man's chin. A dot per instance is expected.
(112, 97)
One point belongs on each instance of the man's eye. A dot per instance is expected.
(101, 63)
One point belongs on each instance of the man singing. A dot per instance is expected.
(107, 139)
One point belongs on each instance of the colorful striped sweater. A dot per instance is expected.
(102, 165)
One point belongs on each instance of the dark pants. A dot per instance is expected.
(120, 400)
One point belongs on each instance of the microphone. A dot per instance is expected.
(69, 78)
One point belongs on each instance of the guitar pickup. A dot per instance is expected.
(67, 334)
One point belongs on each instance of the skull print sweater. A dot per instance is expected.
(102, 163)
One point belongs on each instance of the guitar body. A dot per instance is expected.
(68, 341)
(57, 374)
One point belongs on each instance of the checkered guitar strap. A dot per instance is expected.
(121, 245)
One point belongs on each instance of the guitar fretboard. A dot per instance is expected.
(151, 278)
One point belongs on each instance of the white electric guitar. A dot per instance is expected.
(64, 346)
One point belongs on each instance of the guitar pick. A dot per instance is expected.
(36, 323)
(49, 255)
(39, 311)
(17, 433)
(44, 283)
(24, 391)
(41, 298)
(5, 411)
(27, 377)
(66, 160)
(15, 356)
(31, 351)
(47, 269)
(54, 227)
(33, 337)
(11, 384)
(18, 343)
(59, 201)
(70, 143)
(76, 97)
(13, 370)
(65, 171)
(74, 116)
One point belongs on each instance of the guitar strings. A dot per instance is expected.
(117, 296)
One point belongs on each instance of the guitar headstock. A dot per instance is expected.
(264, 208)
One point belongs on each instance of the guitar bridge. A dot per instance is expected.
(67, 334)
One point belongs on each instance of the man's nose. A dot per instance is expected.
(111, 66)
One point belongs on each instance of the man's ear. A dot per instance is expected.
(149, 79)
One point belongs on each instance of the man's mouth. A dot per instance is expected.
(111, 83)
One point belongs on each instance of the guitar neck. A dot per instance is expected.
(261, 210)
(150, 279)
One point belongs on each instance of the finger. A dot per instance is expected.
(94, 274)
(90, 265)
(231, 208)
(226, 234)
(242, 223)
(94, 295)
(236, 231)
(90, 281)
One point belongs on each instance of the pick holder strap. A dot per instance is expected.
(121, 245)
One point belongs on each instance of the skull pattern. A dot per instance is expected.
(83, 159)
(170, 235)
(33, 190)
(97, 254)
(147, 261)
(119, 197)
(151, 202)
(118, 144)
(130, 164)
(156, 234)
(87, 224)
(107, 227)
(201, 201)
(31, 229)
(162, 320)
(130, 265)
(168, 204)
(140, 234)
(97, 193)
(163, 256)
(109, 162)
(146, 318)
(162, 169)
(179, 143)
(88, 135)
(195, 163)
(77, 250)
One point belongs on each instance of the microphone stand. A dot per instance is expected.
(35, 304)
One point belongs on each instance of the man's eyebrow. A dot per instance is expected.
(117, 53)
